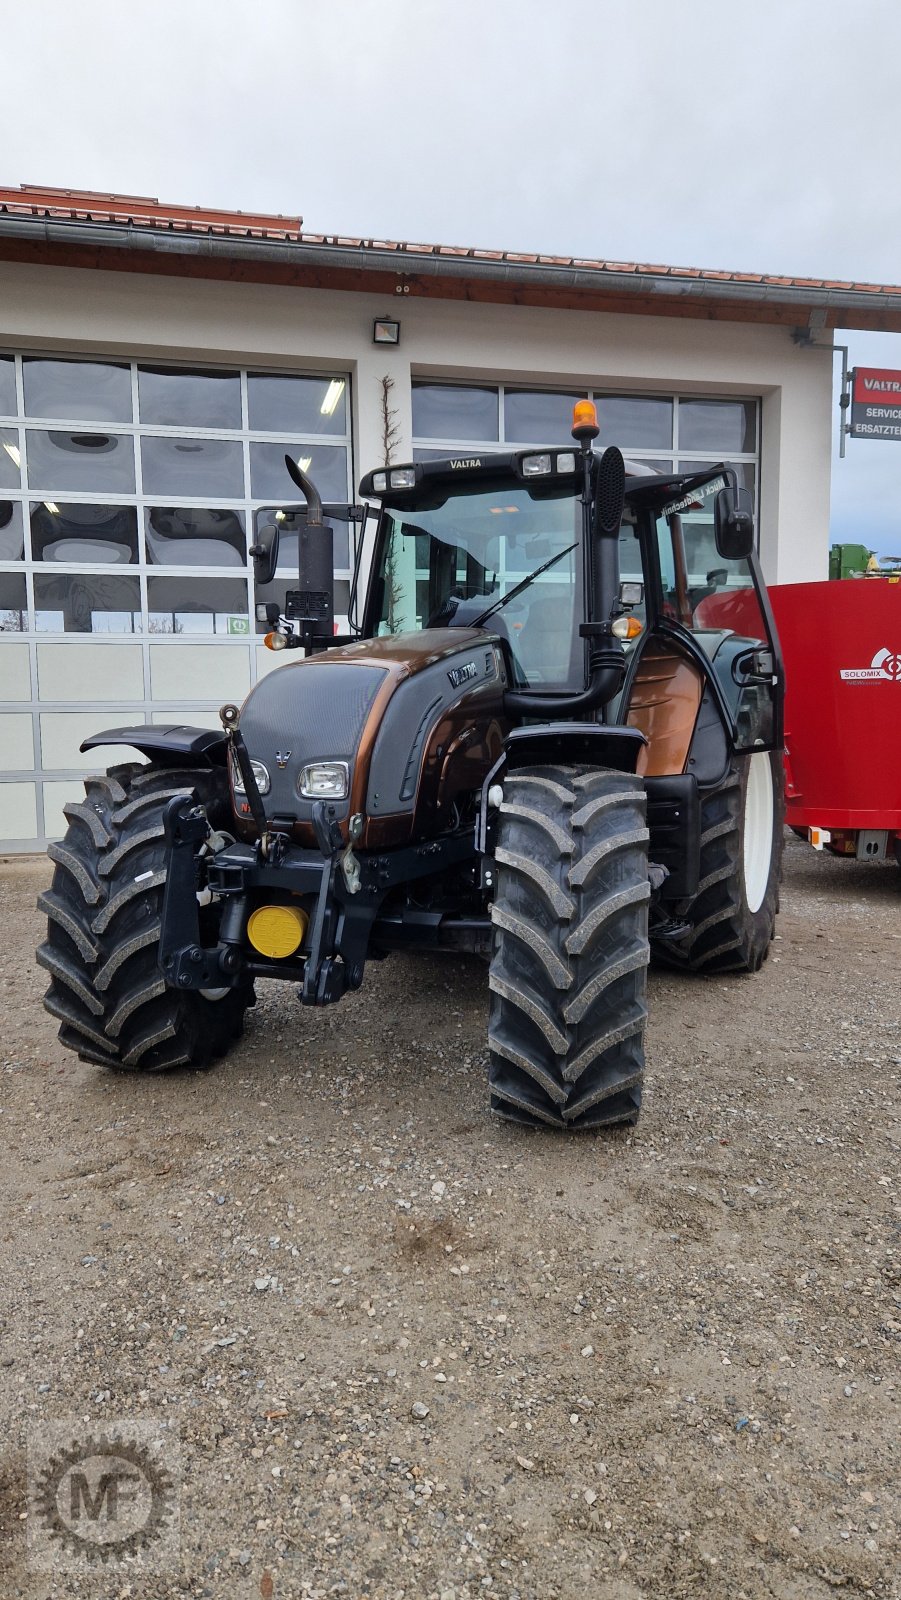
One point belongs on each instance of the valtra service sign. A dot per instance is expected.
(876, 404)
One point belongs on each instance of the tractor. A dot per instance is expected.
(531, 748)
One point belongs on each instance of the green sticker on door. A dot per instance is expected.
(238, 625)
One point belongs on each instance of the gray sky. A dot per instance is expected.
(693, 132)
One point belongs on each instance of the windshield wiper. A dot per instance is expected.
(511, 594)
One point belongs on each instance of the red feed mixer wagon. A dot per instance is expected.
(841, 644)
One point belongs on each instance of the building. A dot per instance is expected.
(157, 361)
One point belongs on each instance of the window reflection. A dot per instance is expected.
(88, 391)
(450, 411)
(534, 417)
(647, 464)
(13, 603)
(635, 420)
(10, 459)
(80, 602)
(213, 467)
(7, 386)
(194, 536)
(80, 533)
(326, 464)
(80, 461)
(189, 399)
(12, 537)
(278, 404)
(718, 425)
(197, 606)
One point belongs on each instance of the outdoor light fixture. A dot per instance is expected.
(384, 331)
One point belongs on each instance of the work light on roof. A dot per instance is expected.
(535, 466)
(402, 477)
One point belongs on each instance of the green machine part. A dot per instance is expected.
(848, 560)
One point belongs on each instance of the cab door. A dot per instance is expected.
(710, 648)
(720, 608)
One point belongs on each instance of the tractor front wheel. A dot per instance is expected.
(103, 928)
(569, 967)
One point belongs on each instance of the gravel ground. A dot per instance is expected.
(414, 1353)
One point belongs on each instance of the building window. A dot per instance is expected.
(112, 464)
(451, 411)
(665, 433)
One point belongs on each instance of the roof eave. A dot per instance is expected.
(435, 272)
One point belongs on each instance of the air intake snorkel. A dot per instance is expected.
(603, 517)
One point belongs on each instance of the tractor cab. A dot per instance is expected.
(508, 543)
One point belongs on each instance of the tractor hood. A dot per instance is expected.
(414, 718)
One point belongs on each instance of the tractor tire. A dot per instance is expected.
(569, 969)
(103, 928)
(733, 916)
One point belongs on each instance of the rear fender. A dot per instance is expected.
(178, 745)
(579, 743)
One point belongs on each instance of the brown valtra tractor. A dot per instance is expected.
(533, 748)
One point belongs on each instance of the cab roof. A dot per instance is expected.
(407, 485)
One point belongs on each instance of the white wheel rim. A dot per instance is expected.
(758, 829)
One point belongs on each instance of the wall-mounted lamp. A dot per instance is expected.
(384, 331)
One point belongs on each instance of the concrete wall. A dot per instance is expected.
(186, 319)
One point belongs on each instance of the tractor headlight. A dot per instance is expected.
(403, 478)
(534, 466)
(324, 780)
(260, 772)
(379, 482)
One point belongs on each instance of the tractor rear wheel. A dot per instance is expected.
(569, 967)
(103, 928)
(733, 916)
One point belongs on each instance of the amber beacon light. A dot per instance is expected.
(585, 420)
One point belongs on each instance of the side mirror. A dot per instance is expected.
(265, 553)
(733, 518)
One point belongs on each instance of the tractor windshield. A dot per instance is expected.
(446, 566)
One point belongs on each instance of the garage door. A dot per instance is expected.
(128, 497)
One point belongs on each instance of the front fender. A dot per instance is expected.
(590, 744)
(177, 744)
